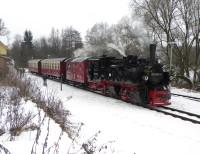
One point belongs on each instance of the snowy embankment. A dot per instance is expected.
(129, 129)
(25, 128)
(124, 128)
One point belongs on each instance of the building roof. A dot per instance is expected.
(3, 45)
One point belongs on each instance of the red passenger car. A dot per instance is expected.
(53, 67)
(35, 66)
(76, 70)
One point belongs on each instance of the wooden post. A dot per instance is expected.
(61, 80)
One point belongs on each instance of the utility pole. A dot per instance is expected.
(171, 53)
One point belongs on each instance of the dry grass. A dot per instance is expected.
(51, 105)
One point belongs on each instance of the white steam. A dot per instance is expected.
(91, 51)
(117, 48)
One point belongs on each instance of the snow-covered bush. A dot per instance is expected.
(52, 106)
(14, 118)
(17, 119)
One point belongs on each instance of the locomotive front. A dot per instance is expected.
(158, 83)
(151, 77)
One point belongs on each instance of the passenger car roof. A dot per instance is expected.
(79, 59)
(54, 60)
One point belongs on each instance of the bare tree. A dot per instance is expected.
(183, 34)
(42, 48)
(170, 21)
(16, 49)
(123, 37)
(158, 15)
(195, 7)
(127, 36)
(99, 35)
(71, 40)
(3, 29)
(54, 42)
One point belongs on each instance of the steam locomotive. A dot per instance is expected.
(136, 80)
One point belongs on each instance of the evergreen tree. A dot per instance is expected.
(27, 51)
(28, 37)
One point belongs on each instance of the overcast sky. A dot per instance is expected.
(41, 15)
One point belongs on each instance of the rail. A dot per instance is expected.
(186, 96)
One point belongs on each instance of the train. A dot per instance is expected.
(132, 79)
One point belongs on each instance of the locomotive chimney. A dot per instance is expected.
(152, 53)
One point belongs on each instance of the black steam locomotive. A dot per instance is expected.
(140, 80)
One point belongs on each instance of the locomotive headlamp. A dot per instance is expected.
(171, 77)
(145, 77)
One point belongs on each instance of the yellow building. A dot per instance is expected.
(3, 49)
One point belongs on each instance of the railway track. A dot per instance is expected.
(183, 115)
(163, 109)
(189, 97)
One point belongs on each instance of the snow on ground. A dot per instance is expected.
(23, 143)
(131, 129)
(185, 92)
(185, 103)
(125, 128)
